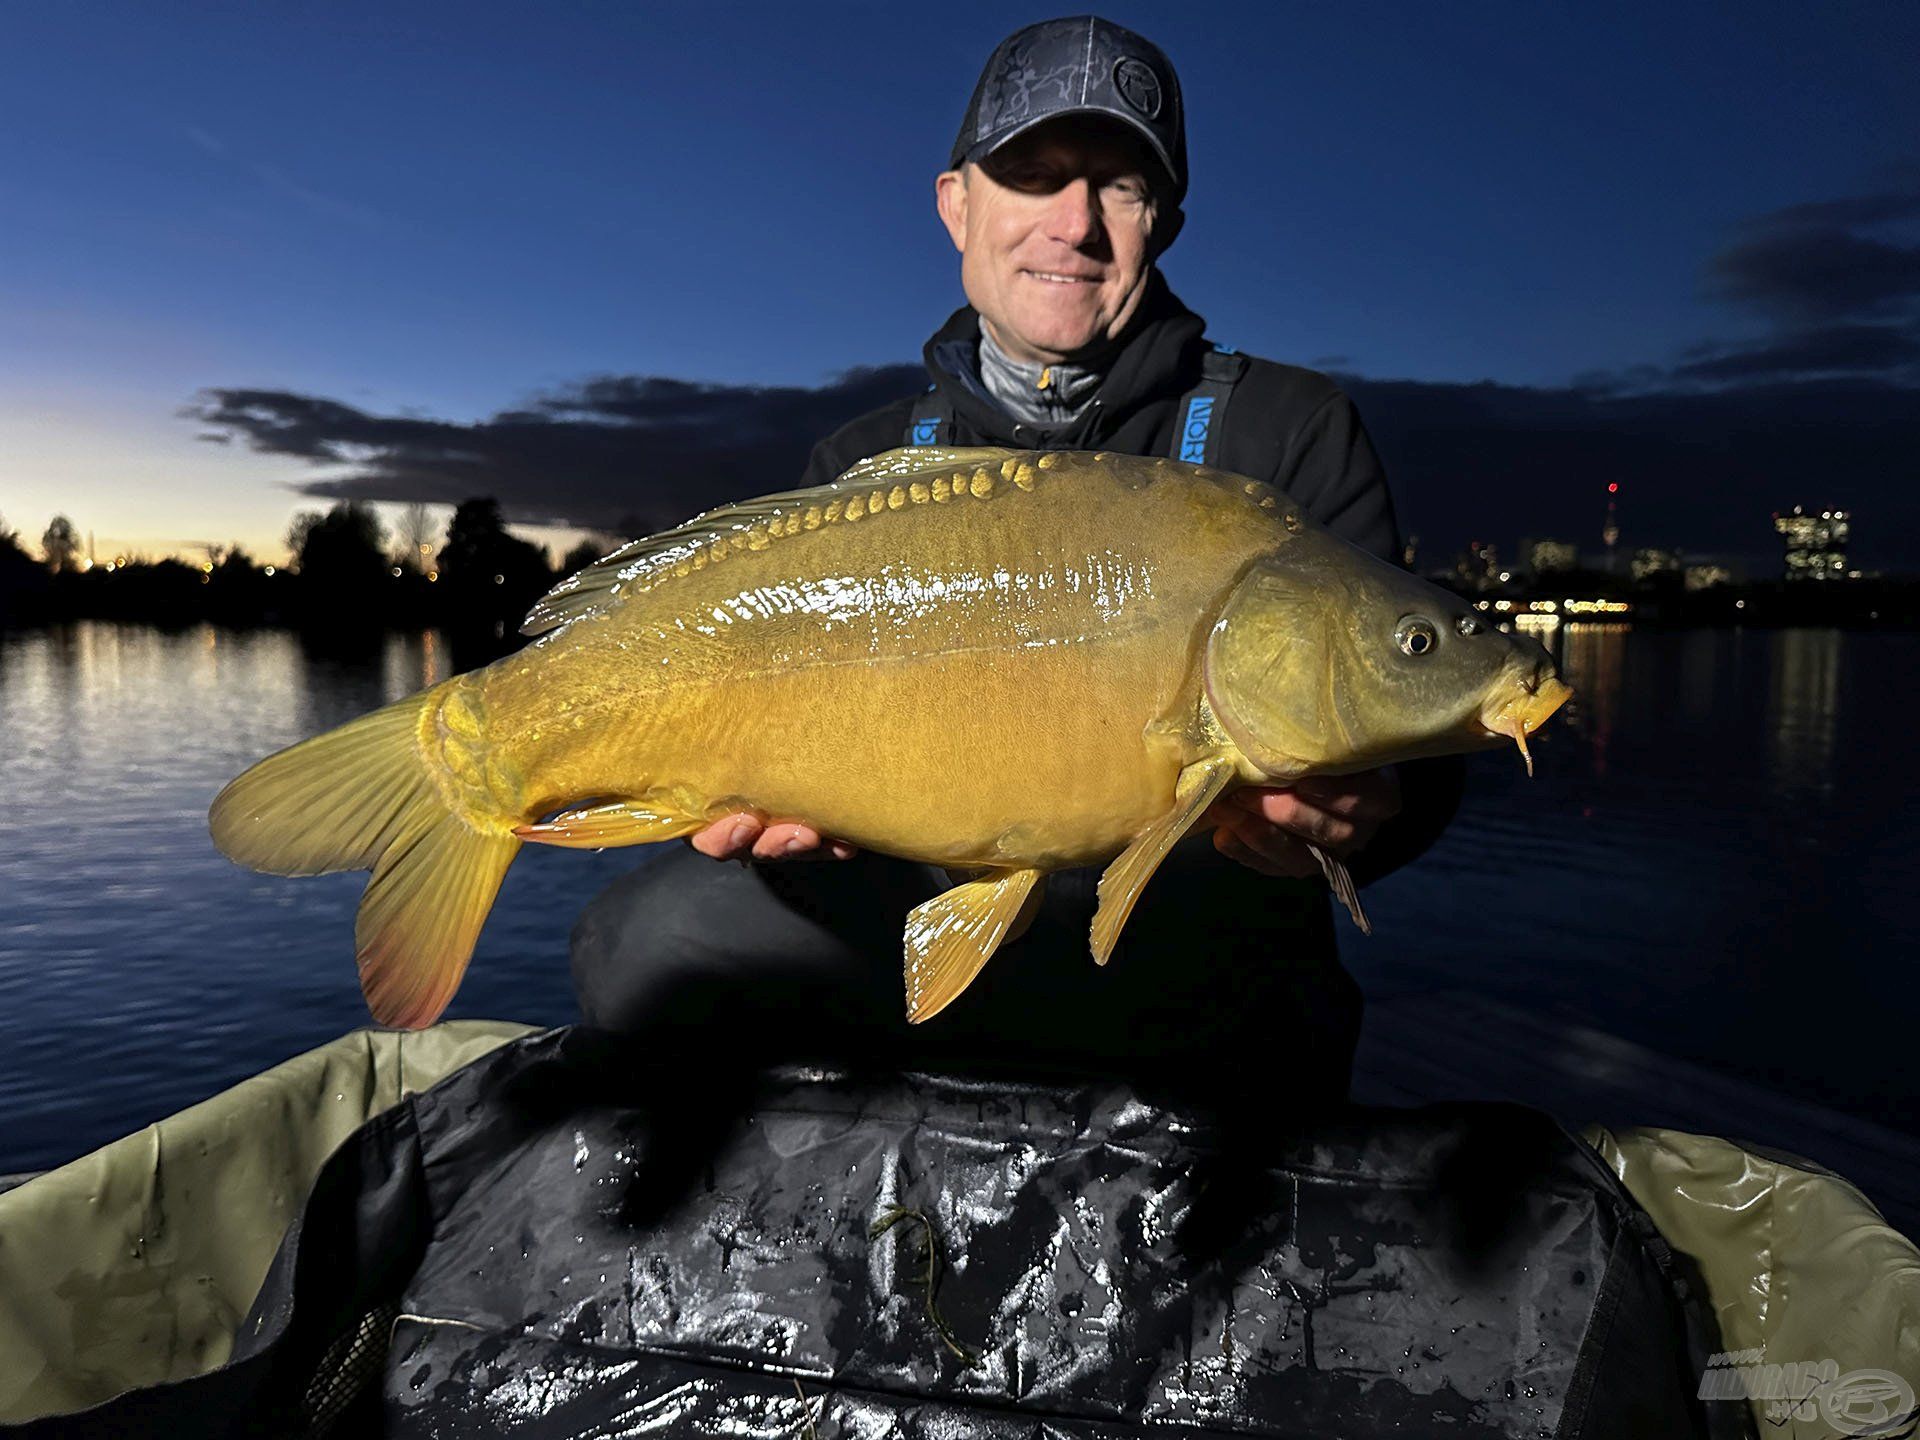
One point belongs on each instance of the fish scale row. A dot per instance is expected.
(979, 485)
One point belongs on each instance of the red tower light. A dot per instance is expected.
(1613, 487)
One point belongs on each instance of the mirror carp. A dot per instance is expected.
(1001, 662)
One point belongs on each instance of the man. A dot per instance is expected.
(1064, 190)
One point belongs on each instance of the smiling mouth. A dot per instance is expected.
(1053, 277)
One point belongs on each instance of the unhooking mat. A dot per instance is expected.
(574, 1237)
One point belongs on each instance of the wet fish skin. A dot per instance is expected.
(997, 661)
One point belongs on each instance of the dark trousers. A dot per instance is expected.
(1222, 975)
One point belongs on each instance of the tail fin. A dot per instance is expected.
(361, 798)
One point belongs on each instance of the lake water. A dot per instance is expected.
(1717, 859)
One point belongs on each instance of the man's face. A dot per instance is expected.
(1055, 234)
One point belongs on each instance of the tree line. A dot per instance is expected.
(349, 577)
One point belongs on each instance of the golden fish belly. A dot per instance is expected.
(1034, 758)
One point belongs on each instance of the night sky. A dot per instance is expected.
(613, 263)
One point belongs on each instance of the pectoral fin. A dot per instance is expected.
(1198, 786)
(615, 822)
(952, 935)
(1344, 890)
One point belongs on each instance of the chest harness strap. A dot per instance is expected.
(932, 420)
(1199, 422)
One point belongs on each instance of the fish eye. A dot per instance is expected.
(1468, 625)
(1416, 636)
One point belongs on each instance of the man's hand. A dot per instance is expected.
(734, 837)
(1269, 829)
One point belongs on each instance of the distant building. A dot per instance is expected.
(1544, 556)
(1705, 577)
(1816, 544)
(1649, 562)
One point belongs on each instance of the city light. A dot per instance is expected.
(1598, 607)
(1816, 546)
(1570, 605)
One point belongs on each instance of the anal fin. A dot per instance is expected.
(611, 823)
(953, 935)
(1199, 784)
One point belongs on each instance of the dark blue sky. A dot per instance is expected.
(448, 211)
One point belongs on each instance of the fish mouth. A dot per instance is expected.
(1525, 708)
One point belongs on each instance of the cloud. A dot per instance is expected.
(628, 454)
(1818, 272)
(1835, 285)
(1826, 260)
(1888, 351)
(273, 178)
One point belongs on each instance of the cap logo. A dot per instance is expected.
(1138, 86)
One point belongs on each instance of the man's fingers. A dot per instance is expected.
(729, 837)
(1234, 848)
(1299, 815)
(735, 837)
(1293, 814)
(785, 839)
(1367, 798)
(1262, 847)
(1374, 796)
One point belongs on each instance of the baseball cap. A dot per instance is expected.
(1081, 65)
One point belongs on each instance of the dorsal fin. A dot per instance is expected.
(634, 565)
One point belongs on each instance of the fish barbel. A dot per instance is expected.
(1002, 662)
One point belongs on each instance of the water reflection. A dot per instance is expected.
(412, 662)
(1700, 675)
(1674, 900)
(1593, 658)
(1803, 708)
